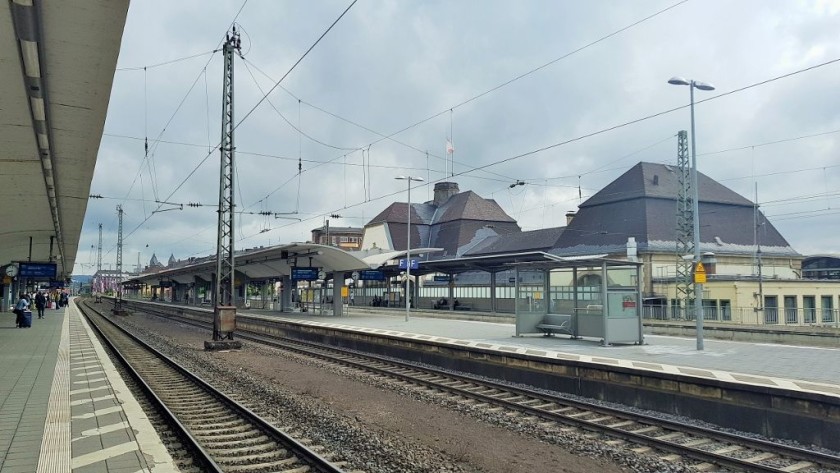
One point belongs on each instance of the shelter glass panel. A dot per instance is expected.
(561, 291)
(622, 297)
(531, 297)
(588, 291)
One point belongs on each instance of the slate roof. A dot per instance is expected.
(470, 206)
(456, 226)
(641, 203)
(536, 240)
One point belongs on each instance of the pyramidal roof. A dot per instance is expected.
(661, 181)
(642, 203)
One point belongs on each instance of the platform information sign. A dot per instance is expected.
(371, 275)
(415, 264)
(304, 274)
(37, 270)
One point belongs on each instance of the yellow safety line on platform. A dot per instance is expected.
(55, 448)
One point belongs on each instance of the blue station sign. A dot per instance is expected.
(304, 274)
(415, 264)
(371, 275)
(37, 270)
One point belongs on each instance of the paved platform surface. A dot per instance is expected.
(792, 367)
(63, 406)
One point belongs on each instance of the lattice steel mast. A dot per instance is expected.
(685, 227)
(118, 300)
(224, 300)
(99, 252)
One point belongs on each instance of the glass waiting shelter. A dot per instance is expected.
(586, 296)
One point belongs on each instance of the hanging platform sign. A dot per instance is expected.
(371, 275)
(304, 274)
(415, 264)
(37, 270)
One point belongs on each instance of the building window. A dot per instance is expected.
(827, 303)
(710, 309)
(725, 309)
(771, 309)
(791, 315)
(809, 309)
(676, 310)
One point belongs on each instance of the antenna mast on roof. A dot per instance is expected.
(685, 226)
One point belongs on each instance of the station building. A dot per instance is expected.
(755, 276)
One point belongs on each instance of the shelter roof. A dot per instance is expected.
(264, 263)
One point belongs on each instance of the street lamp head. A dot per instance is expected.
(408, 178)
(693, 83)
(703, 85)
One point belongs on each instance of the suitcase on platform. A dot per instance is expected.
(26, 319)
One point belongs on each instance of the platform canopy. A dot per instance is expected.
(57, 64)
(262, 263)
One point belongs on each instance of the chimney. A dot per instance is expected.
(570, 215)
(632, 249)
(443, 191)
(709, 262)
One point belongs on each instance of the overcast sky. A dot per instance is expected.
(388, 65)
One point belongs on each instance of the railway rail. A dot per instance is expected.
(222, 435)
(705, 448)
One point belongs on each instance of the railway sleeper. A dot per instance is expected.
(290, 465)
(262, 451)
(220, 442)
(221, 431)
(209, 409)
(798, 466)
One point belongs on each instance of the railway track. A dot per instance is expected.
(222, 435)
(705, 449)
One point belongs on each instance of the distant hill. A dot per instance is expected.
(81, 278)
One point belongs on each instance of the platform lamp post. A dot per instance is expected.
(695, 207)
(408, 245)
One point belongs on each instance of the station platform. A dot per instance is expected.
(798, 368)
(63, 405)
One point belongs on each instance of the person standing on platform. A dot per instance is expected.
(21, 306)
(40, 303)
